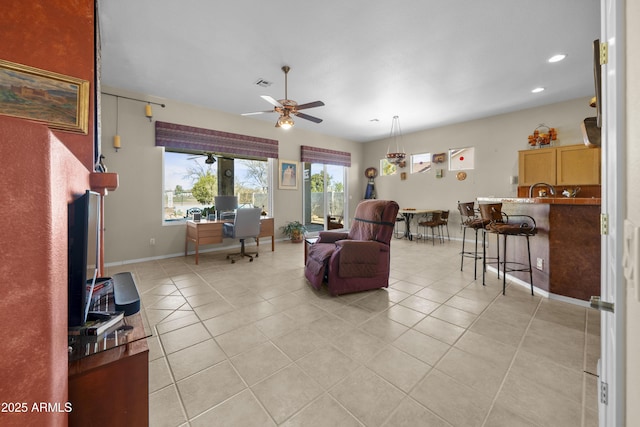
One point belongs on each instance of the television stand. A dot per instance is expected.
(111, 387)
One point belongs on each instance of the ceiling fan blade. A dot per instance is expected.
(257, 112)
(310, 105)
(271, 101)
(308, 117)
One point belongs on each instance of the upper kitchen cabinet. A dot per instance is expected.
(564, 165)
(578, 165)
(537, 166)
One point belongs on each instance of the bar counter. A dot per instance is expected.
(568, 242)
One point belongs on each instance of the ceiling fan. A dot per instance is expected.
(211, 159)
(287, 107)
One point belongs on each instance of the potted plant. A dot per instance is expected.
(294, 230)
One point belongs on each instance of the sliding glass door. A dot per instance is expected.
(324, 197)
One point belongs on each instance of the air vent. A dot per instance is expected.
(263, 83)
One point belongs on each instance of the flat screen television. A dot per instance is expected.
(84, 252)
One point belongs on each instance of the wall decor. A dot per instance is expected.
(439, 173)
(287, 175)
(420, 163)
(461, 158)
(439, 158)
(59, 101)
(403, 176)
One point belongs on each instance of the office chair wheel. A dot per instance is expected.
(250, 259)
(233, 261)
(257, 255)
(228, 256)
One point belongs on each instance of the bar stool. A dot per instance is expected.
(470, 220)
(505, 225)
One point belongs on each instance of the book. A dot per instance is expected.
(99, 323)
(104, 321)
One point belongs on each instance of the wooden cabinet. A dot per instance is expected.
(578, 165)
(537, 166)
(568, 165)
(111, 388)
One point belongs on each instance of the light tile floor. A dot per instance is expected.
(252, 344)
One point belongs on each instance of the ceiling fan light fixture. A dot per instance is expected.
(285, 122)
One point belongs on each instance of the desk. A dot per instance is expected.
(408, 215)
(210, 232)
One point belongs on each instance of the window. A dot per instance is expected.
(191, 182)
(324, 197)
(461, 158)
(387, 168)
(420, 163)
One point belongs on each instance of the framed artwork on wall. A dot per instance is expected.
(287, 175)
(461, 158)
(59, 101)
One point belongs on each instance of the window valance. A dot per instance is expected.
(181, 137)
(324, 156)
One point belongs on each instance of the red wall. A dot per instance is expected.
(41, 173)
(54, 35)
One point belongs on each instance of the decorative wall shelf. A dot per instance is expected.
(103, 182)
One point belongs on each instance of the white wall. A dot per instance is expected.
(497, 141)
(633, 206)
(133, 213)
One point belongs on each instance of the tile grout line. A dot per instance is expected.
(513, 359)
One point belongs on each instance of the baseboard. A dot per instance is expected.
(542, 292)
(179, 254)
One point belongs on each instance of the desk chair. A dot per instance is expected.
(245, 226)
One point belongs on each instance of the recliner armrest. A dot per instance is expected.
(331, 236)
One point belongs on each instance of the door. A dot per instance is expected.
(324, 197)
(611, 380)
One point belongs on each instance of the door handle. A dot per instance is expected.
(598, 304)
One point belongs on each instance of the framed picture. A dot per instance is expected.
(287, 175)
(59, 101)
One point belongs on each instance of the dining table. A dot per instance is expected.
(408, 214)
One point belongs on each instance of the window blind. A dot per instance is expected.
(324, 156)
(189, 138)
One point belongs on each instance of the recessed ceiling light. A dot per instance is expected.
(557, 58)
(537, 90)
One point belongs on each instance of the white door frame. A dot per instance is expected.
(612, 363)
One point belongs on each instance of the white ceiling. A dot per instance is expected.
(430, 62)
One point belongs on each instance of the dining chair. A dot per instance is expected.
(432, 221)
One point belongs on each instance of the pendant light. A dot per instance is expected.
(397, 157)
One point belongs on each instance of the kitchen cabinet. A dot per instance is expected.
(537, 166)
(564, 165)
(578, 165)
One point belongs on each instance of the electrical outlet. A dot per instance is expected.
(540, 264)
(152, 242)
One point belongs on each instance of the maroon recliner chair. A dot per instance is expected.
(357, 260)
